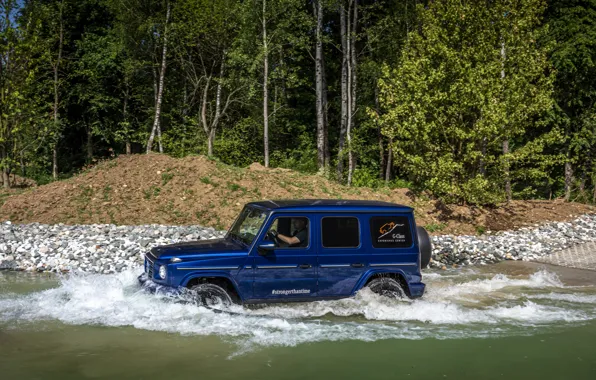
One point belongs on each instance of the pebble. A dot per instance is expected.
(107, 248)
(97, 248)
(526, 244)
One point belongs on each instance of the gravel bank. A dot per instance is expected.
(110, 248)
(525, 244)
(102, 248)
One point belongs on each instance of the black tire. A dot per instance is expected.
(425, 247)
(387, 287)
(212, 296)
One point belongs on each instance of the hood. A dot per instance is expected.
(201, 247)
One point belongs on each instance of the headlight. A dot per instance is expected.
(162, 272)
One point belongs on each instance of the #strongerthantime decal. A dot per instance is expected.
(291, 291)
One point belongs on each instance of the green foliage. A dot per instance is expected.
(166, 177)
(208, 181)
(236, 187)
(447, 83)
(301, 155)
(152, 191)
(457, 94)
(242, 144)
(435, 227)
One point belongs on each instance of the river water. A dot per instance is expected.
(495, 322)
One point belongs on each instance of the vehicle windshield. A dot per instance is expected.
(248, 225)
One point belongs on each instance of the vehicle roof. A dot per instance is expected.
(317, 205)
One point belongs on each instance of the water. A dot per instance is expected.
(472, 323)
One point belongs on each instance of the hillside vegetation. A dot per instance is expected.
(147, 189)
(476, 102)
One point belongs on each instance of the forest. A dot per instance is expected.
(475, 102)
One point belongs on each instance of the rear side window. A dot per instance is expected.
(340, 232)
(390, 232)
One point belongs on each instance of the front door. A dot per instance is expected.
(288, 271)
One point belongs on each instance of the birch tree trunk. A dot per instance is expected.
(568, 180)
(389, 161)
(5, 172)
(506, 170)
(352, 89)
(344, 92)
(206, 126)
(57, 94)
(506, 140)
(380, 136)
(321, 91)
(162, 72)
(210, 128)
(265, 87)
(125, 119)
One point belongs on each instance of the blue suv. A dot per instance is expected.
(299, 250)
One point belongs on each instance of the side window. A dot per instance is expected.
(340, 232)
(390, 232)
(289, 232)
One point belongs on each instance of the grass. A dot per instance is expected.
(166, 177)
(153, 191)
(200, 214)
(235, 187)
(178, 214)
(435, 227)
(208, 181)
(106, 192)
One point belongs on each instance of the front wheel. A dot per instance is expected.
(211, 296)
(387, 287)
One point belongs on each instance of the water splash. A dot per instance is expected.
(456, 306)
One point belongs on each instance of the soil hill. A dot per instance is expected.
(146, 189)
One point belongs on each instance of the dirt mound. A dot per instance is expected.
(21, 182)
(143, 189)
(256, 167)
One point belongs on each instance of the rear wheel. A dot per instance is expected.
(211, 296)
(387, 287)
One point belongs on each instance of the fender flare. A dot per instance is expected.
(199, 274)
(371, 272)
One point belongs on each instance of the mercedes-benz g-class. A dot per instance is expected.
(300, 250)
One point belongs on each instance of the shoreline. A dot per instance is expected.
(107, 248)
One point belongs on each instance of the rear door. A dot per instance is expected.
(342, 257)
(289, 272)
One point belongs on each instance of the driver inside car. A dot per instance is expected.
(299, 237)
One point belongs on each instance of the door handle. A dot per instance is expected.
(357, 265)
(305, 266)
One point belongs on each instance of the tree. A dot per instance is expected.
(160, 86)
(22, 127)
(204, 37)
(323, 157)
(572, 30)
(447, 106)
(349, 24)
(56, 49)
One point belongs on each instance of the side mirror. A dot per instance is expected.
(266, 248)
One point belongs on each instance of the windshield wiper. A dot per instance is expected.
(237, 238)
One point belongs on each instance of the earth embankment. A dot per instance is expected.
(154, 188)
